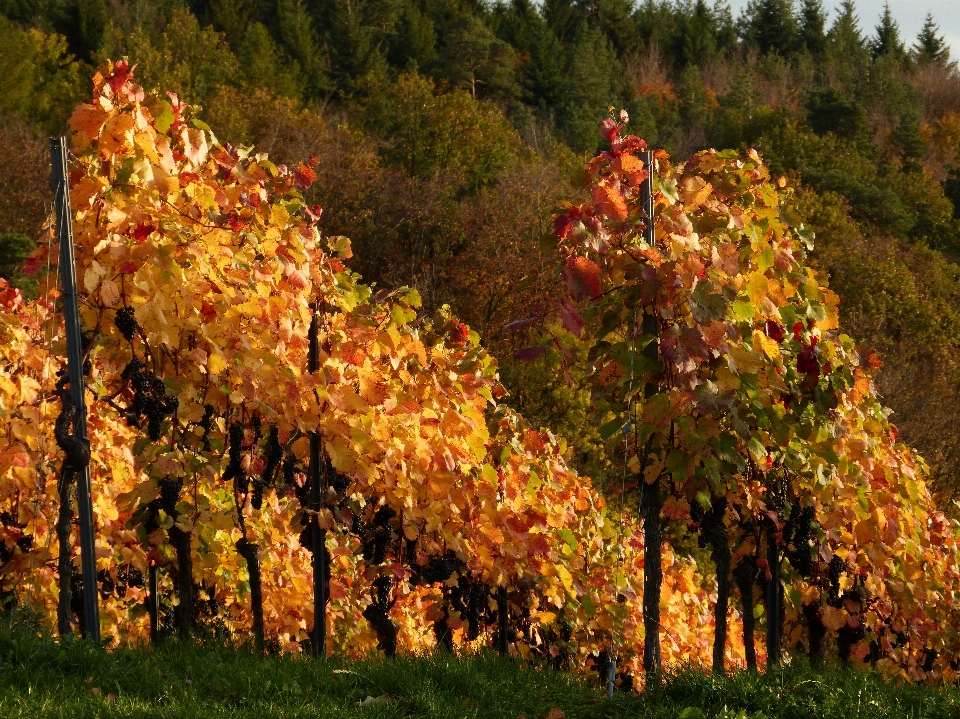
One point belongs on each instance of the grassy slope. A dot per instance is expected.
(39, 679)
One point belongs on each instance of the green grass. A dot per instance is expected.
(42, 678)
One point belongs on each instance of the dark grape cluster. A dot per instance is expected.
(798, 532)
(381, 592)
(438, 569)
(834, 571)
(206, 424)
(126, 322)
(170, 495)
(150, 399)
(234, 470)
(376, 535)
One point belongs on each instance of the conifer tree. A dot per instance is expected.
(931, 47)
(770, 26)
(696, 36)
(813, 21)
(845, 41)
(474, 59)
(414, 41)
(887, 40)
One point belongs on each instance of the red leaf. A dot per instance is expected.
(142, 231)
(128, 268)
(304, 176)
(121, 73)
(530, 353)
(609, 201)
(775, 331)
(520, 323)
(572, 322)
(610, 129)
(582, 276)
(459, 335)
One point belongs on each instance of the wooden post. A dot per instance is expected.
(318, 535)
(71, 318)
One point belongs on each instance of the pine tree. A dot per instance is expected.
(696, 36)
(414, 41)
(887, 40)
(845, 41)
(295, 31)
(931, 47)
(474, 59)
(770, 26)
(813, 21)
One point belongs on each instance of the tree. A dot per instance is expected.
(845, 40)
(812, 36)
(770, 26)
(264, 64)
(14, 250)
(931, 47)
(414, 42)
(474, 59)
(887, 41)
(593, 74)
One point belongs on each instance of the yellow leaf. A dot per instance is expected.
(215, 364)
(765, 345)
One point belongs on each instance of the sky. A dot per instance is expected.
(909, 15)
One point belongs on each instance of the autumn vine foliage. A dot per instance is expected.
(764, 426)
(448, 518)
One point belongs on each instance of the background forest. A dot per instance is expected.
(449, 131)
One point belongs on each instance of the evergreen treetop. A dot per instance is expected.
(887, 40)
(931, 47)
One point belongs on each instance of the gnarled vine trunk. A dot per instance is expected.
(251, 553)
(718, 537)
(185, 613)
(816, 632)
(745, 575)
(652, 579)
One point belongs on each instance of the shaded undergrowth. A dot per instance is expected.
(41, 677)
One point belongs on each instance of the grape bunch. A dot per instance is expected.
(170, 495)
(126, 322)
(376, 536)
(150, 399)
(206, 424)
(234, 450)
(381, 592)
(439, 569)
(798, 533)
(834, 571)
(256, 499)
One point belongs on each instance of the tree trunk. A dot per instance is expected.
(746, 573)
(185, 613)
(251, 553)
(385, 629)
(720, 544)
(64, 559)
(652, 579)
(774, 600)
(503, 639)
(816, 632)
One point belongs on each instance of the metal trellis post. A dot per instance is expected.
(71, 317)
(318, 535)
